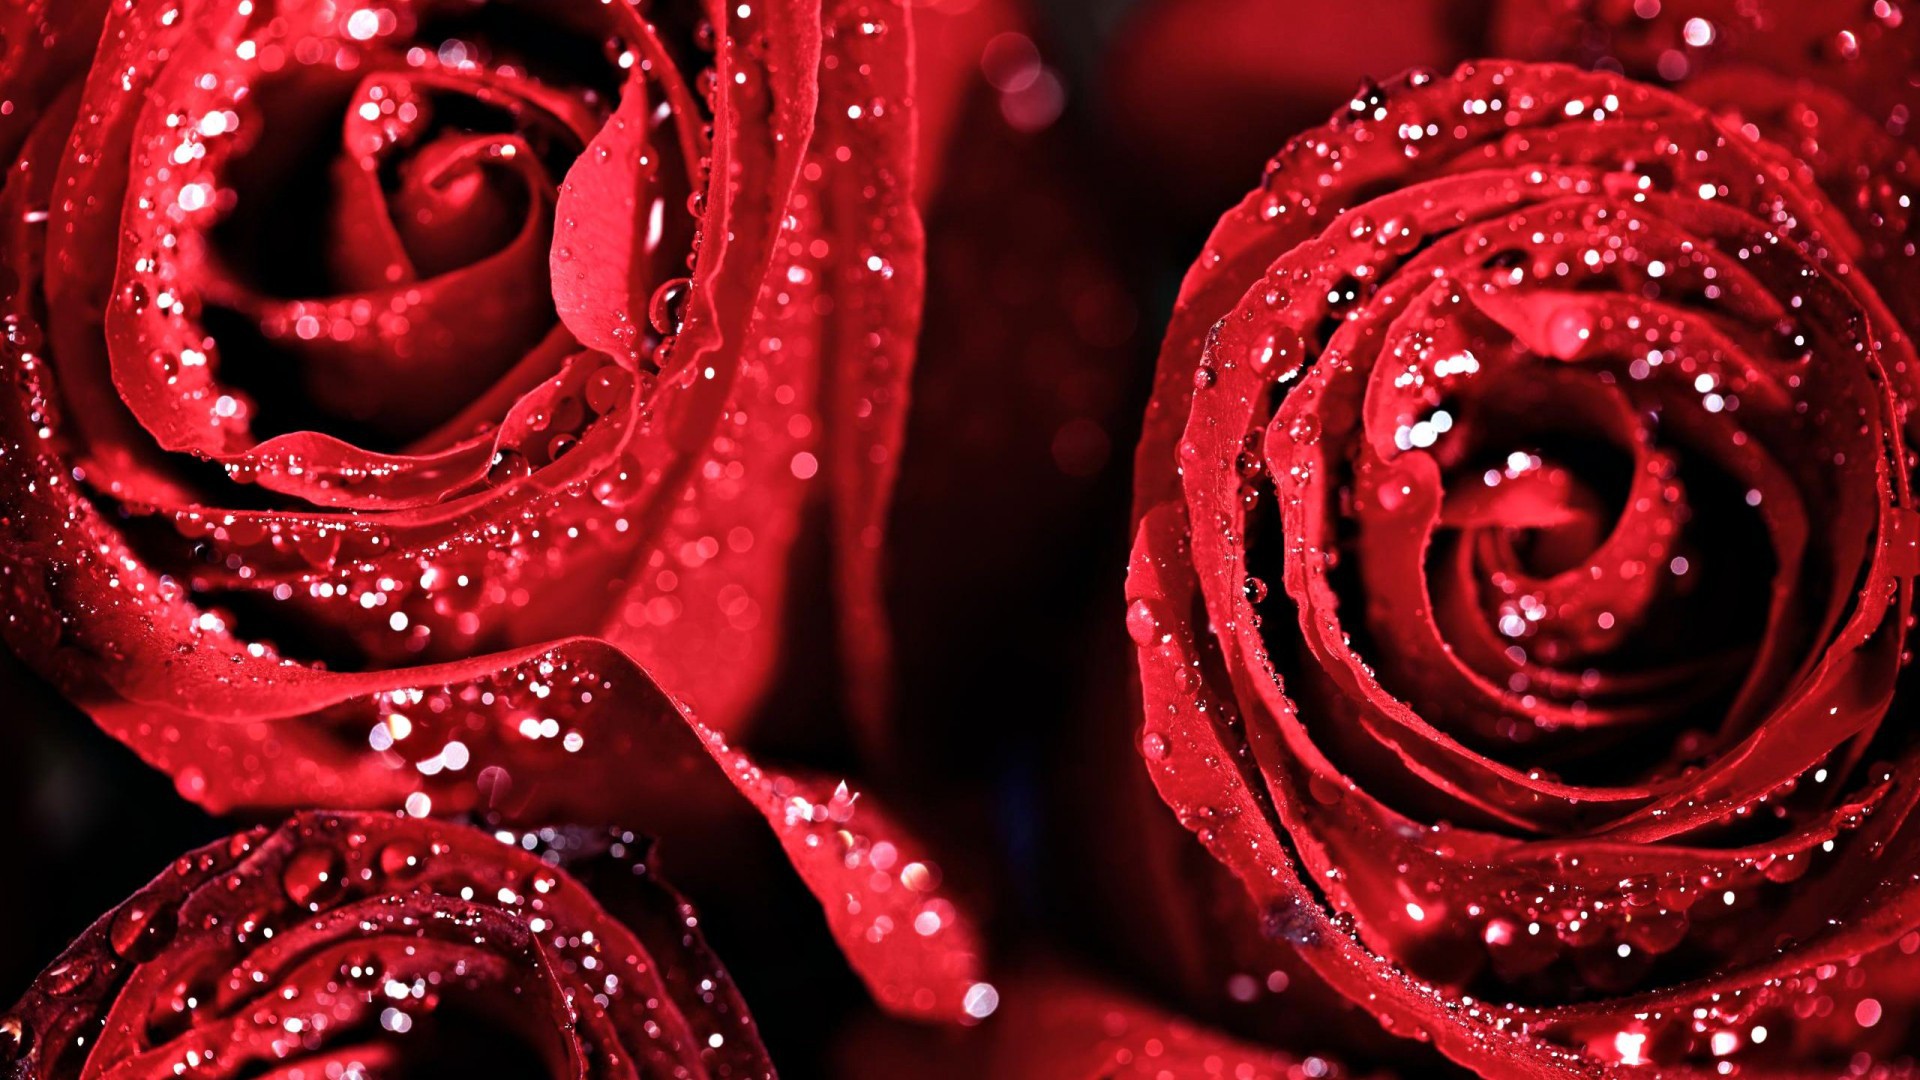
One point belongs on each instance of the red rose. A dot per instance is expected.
(1522, 578)
(413, 403)
(356, 945)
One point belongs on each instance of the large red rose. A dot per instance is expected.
(413, 403)
(1522, 579)
(342, 945)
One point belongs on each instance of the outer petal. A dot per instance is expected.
(1259, 71)
(877, 276)
(1070, 1028)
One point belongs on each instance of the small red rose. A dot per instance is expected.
(359, 945)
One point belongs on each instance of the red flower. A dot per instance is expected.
(1522, 578)
(413, 404)
(350, 944)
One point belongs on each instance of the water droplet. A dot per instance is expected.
(981, 1000)
(1263, 352)
(172, 1010)
(140, 931)
(1304, 428)
(1143, 623)
(608, 389)
(67, 976)
(1568, 331)
(620, 484)
(1367, 98)
(14, 1038)
(1398, 235)
(1291, 921)
(313, 877)
(1153, 746)
(1657, 930)
(507, 466)
(402, 858)
(668, 308)
(1784, 868)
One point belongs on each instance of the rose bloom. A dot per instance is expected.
(1522, 579)
(414, 405)
(364, 945)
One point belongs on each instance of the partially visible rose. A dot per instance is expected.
(360, 945)
(1866, 51)
(414, 404)
(1834, 83)
(1522, 579)
(1201, 91)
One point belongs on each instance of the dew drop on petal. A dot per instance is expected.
(312, 877)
